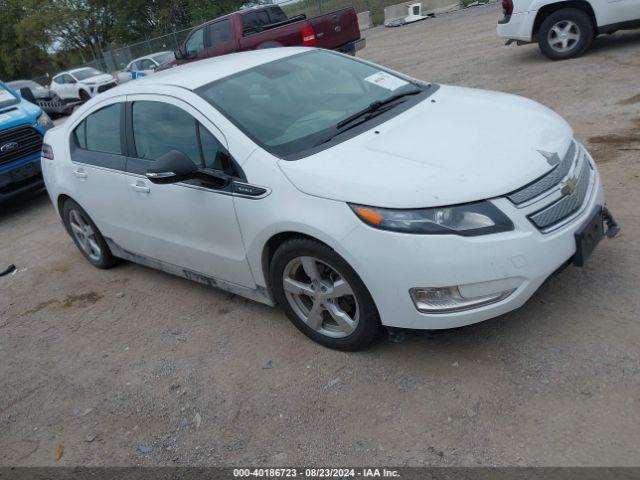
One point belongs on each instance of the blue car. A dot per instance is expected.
(22, 127)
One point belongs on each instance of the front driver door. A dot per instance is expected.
(187, 225)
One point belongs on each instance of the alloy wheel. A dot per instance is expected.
(85, 235)
(563, 36)
(321, 297)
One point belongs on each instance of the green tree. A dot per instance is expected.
(23, 41)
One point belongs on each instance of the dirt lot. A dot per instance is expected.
(133, 366)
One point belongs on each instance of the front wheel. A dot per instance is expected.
(322, 295)
(84, 96)
(565, 34)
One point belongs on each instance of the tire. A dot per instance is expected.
(84, 96)
(335, 308)
(572, 22)
(89, 241)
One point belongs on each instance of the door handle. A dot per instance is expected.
(140, 187)
(80, 173)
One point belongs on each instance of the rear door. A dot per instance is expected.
(336, 29)
(98, 167)
(188, 225)
(220, 39)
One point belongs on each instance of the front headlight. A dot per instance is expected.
(470, 219)
(44, 122)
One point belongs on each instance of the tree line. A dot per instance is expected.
(43, 36)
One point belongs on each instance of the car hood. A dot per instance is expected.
(102, 78)
(459, 145)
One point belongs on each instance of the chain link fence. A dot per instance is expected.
(117, 58)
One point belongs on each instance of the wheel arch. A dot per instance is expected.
(63, 197)
(550, 8)
(272, 244)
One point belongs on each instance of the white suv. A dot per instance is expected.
(81, 83)
(565, 28)
(336, 188)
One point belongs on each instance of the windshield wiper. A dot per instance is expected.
(374, 109)
(376, 106)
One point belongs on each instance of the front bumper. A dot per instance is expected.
(102, 87)
(390, 264)
(25, 176)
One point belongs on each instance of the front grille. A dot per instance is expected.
(27, 139)
(573, 191)
(104, 88)
(546, 182)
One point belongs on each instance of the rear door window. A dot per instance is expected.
(255, 20)
(100, 131)
(98, 140)
(277, 15)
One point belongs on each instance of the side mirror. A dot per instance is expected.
(179, 54)
(172, 167)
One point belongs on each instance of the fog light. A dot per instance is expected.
(449, 299)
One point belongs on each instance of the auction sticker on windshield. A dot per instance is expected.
(384, 80)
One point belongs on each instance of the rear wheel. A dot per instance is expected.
(86, 235)
(565, 34)
(322, 295)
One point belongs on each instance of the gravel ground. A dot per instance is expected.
(135, 367)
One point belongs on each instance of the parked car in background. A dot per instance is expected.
(565, 28)
(42, 96)
(143, 66)
(269, 26)
(334, 187)
(22, 126)
(81, 83)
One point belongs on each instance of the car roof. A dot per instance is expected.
(78, 69)
(202, 72)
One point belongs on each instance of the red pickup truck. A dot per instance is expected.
(269, 26)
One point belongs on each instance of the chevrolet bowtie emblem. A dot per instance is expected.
(570, 186)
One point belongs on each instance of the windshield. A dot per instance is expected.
(163, 58)
(287, 105)
(85, 73)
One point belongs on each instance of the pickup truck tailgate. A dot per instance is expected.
(336, 28)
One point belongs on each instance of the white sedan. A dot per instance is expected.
(348, 194)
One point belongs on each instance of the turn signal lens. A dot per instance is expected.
(369, 215)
